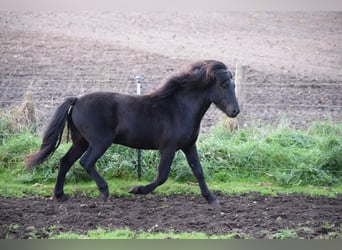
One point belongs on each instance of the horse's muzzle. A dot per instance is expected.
(233, 112)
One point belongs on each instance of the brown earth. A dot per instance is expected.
(249, 215)
(294, 72)
(294, 58)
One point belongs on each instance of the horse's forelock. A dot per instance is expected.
(213, 70)
(205, 70)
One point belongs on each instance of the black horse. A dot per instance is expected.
(168, 120)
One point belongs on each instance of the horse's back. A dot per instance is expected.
(123, 119)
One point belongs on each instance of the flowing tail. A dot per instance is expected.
(53, 134)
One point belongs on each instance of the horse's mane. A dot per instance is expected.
(198, 74)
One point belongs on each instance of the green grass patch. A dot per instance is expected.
(101, 233)
(285, 156)
(11, 187)
(267, 160)
(127, 233)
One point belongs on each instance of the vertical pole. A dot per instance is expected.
(138, 82)
(240, 80)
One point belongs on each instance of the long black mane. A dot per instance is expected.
(196, 75)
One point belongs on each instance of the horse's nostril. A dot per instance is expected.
(236, 111)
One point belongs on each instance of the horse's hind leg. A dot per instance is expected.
(75, 152)
(166, 157)
(88, 160)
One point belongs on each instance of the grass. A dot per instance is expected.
(266, 160)
(10, 187)
(285, 234)
(101, 233)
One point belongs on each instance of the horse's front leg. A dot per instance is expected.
(195, 165)
(166, 157)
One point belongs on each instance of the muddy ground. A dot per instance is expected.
(294, 73)
(249, 215)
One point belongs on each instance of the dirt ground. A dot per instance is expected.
(294, 58)
(249, 215)
(294, 72)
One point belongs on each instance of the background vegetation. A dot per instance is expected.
(281, 156)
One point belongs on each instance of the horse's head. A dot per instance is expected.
(222, 89)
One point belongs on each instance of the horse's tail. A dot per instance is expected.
(53, 134)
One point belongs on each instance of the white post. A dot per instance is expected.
(138, 82)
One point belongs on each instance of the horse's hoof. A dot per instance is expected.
(104, 197)
(135, 190)
(212, 200)
(61, 198)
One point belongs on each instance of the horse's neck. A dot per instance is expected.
(195, 104)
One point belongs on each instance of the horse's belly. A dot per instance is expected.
(135, 140)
